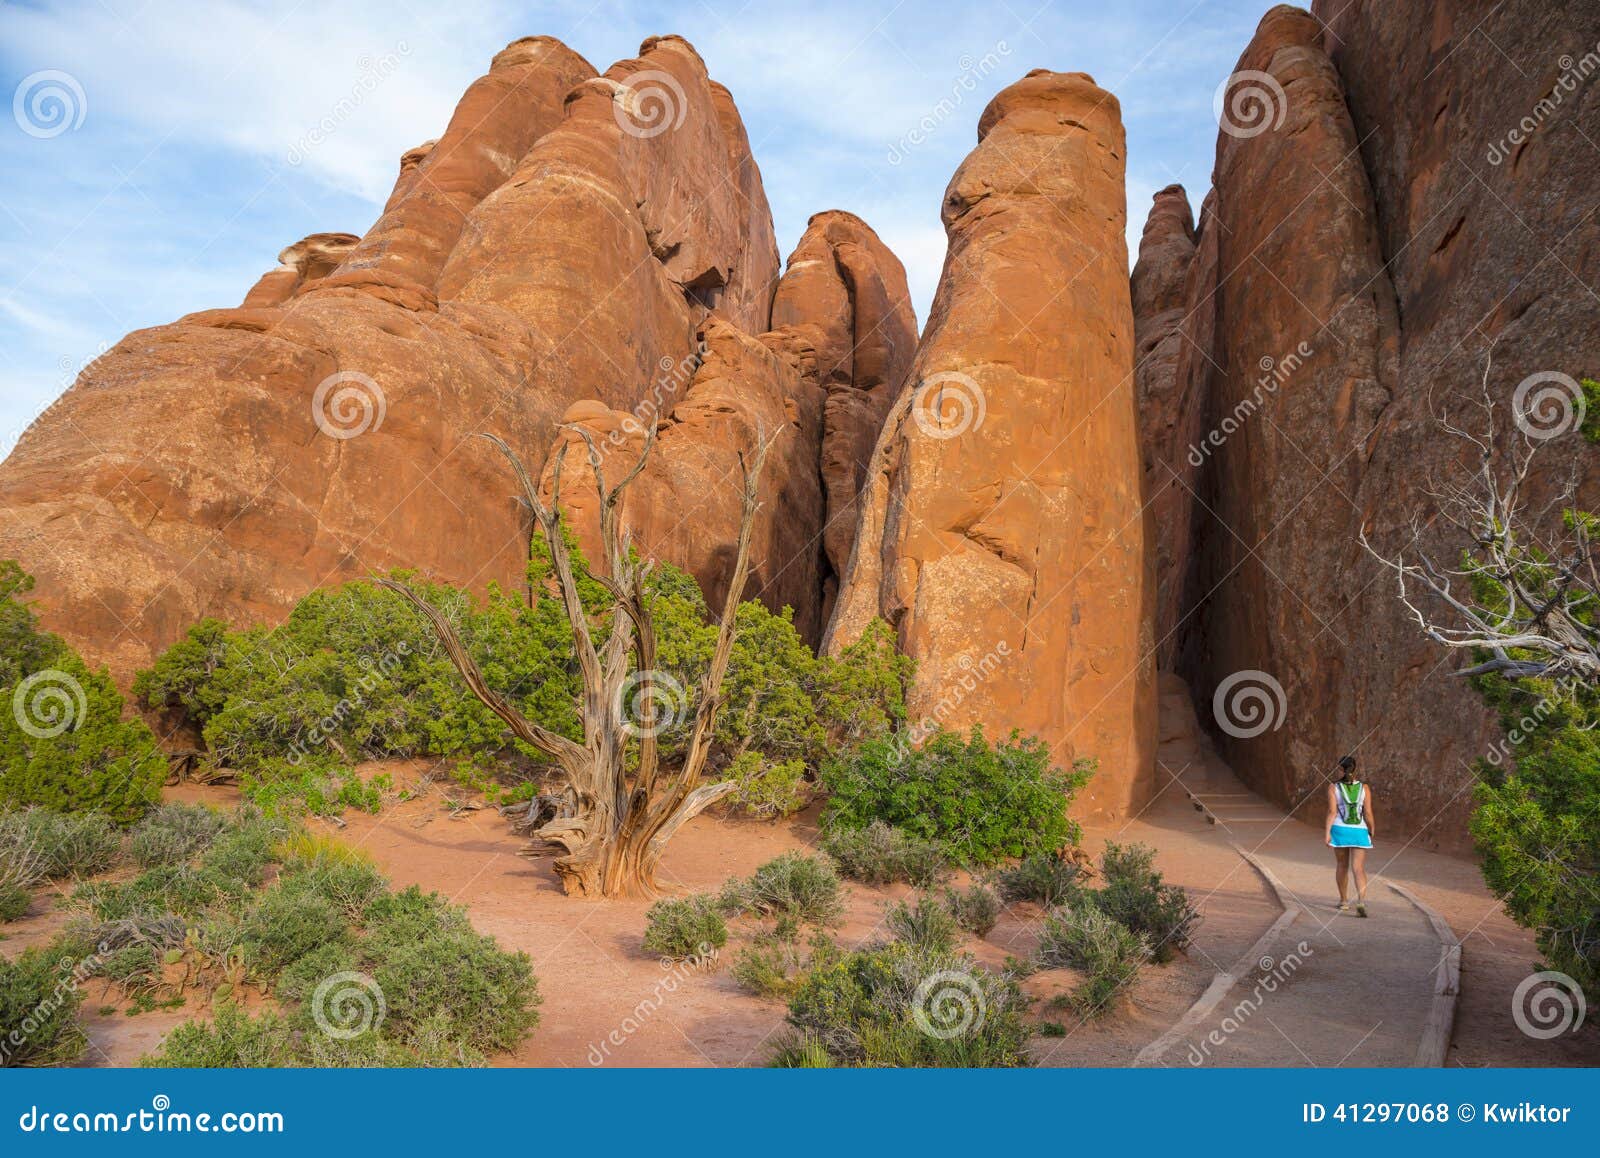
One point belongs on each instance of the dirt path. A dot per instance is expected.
(1332, 988)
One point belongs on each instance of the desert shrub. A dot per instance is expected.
(684, 929)
(21, 868)
(64, 742)
(765, 970)
(39, 1011)
(1045, 877)
(801, 1052)
(353, 674)
(434, 969)
(425, 987)
(232, 1039)
(880, 855)
(180, 889)
(975, 908)
(774, 963)
(285, 924)
(1107, 953)
(66, 844)
(304, 849)
(805, 888)
(172, 833)
(928, 924)
(984, 801)
(15, 898)
(861, 693)
(766, 789)
(901, 1005)
(1537, 826)
(1134, 896)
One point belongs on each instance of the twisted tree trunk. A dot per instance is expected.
(609, 829)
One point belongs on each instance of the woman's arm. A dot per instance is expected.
(1366, 807)
(1333, 813)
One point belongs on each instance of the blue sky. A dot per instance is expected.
(191, 165)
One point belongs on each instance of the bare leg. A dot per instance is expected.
(1358, 862)
(1341, 871)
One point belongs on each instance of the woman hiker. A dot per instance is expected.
(1349, 832)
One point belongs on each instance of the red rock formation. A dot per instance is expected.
(817, 385)
(498, 120)
(308, 260)
(846, 312)
(1167, 412)
(1305, 361)
(1370, 210)
(684, 506)
(547, 249)
(1002, 531)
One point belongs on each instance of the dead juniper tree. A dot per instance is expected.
(1527, 588)
(608, 826)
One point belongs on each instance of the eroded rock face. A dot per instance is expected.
(1366, 248)
(845, 314)
(1001, 531)
(1304, 362)
(1167, 412)
(546, 249)
(308, 260)
(685, 505)
(816, 386)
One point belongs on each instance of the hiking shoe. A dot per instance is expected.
(1344, 906)
(1361, 908)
